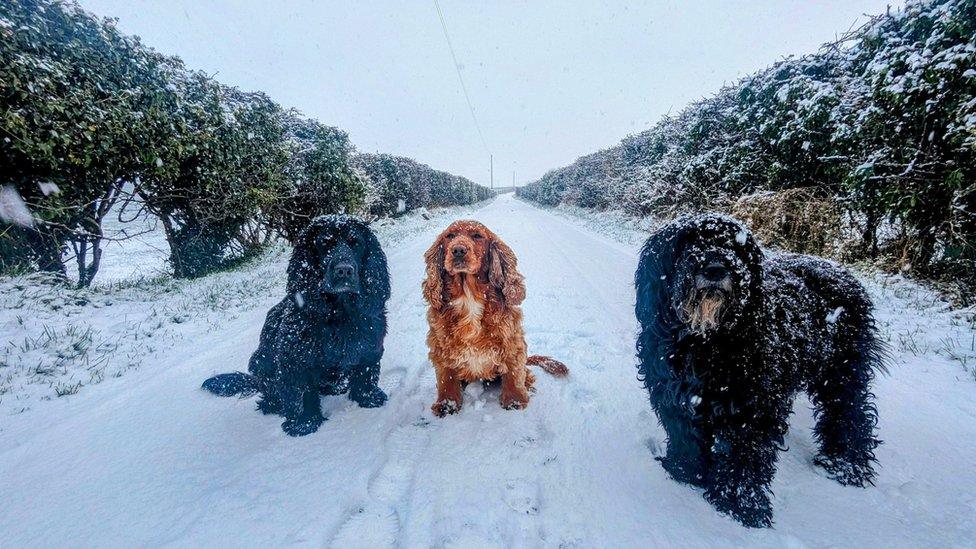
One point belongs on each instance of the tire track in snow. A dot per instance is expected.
(587, 276)
(528, 496)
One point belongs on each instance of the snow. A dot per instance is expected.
(136, 249)
(834, 315)
(741, 236)
(147, 458)
(13, 209)
(48, 188)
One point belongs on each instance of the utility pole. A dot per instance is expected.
(491, 168)
(513, 180)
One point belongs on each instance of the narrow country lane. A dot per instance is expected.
(162, 462)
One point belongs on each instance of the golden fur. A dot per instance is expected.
(703, 312)
(474, 291)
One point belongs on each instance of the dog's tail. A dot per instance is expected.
(234, 383)
(549, 365)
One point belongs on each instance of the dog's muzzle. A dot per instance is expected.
(460, 258)
(342, 278)
(707, 300)
(703, 309)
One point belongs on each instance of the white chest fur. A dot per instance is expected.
(476, 364)
(470, 308)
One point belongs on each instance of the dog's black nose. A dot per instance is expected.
(343, 271)
(715, 272)
(459, 251)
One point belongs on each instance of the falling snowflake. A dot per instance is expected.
(13, 210)
(834, 315)
(48, 188)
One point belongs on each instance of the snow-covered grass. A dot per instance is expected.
(56, 340)
(150, 459)
(921, 326)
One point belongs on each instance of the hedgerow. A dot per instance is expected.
(882, 122)
(94, 123)
(402, 184)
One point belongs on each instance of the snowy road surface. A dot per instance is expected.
(150, 459)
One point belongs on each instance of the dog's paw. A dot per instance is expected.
(371, 398)
(442, 408)
(514, 401)
(302, 426)
(846, 472)
(748, 505)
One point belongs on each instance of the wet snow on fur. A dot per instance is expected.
(140, 455)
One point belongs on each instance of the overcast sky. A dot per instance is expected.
(548, 81)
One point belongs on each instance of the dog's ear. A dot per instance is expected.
(503, 272)
(303, 265)
(433, 285)
(753, 257)
(655, 276)
(375, 274)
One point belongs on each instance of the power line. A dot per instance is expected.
(457, 68)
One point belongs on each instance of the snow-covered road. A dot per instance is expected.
(150, 459)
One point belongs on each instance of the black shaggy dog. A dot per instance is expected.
(729, 337)
(326, 336)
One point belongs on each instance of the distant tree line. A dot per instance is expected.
(94, 123)
(880, 126)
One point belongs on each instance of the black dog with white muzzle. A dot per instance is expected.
(729, 337)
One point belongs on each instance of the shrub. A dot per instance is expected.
(100, 117)
(802, 220)
(320, 176)
(227, 165)
(80, 109)
(396, 179)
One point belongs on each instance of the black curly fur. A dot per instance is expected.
(724, 395)
(320, 339)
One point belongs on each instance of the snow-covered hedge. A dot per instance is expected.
(402, 184)
(883, 120)
(94, 123)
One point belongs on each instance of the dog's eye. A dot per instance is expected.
(451, 235)
(477, 236)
